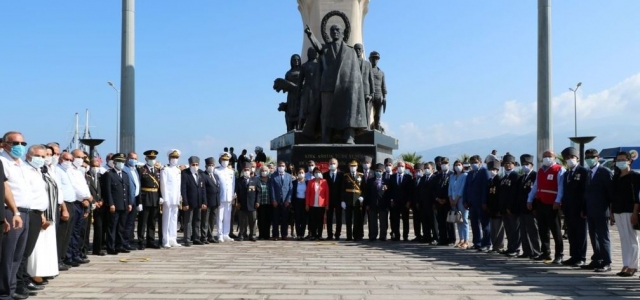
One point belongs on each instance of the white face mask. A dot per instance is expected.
(151, 162)
(427, 172)
(193, 169)
(210, 169)
(310, 168)
(353, 169)
(66, 164)
(48, 160)
(494, 172)
(224, 163)
(77, 162)
(366, 166)
(572, 162)
(318, 175)
(547, 161)
(280, 169)
(300, 176)
(332, 167)
(95, 170)
(37, 162)
(246, 174)
(110, 164)
(253, 169)
(388, 169)
(444, 168)
(458, 168)
(419, 173)
(400, 170)
(173, 162)
(264, 173)
(55, 160)
(119, 165)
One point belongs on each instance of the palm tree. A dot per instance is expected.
(464, 157)
(269, 160)
(411, 158)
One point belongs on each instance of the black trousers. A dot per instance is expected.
(159, 221)
(33, 232)
(86, 229)
(316, 219)
(446, 230)
(334, 210)
(63, 232)
(300, 215)
(375, 216)
(99, 228)
(355, 229)
(399, 212)
(577, 234)
(117, 230)
(265, 212)
(429, 223)
(549, 221)
(14, 244)
(77, 223)
(191, 224)
(130, 225)
(529, 235)
(512, 227)
(600, 240)
(147, 225)
(417, 220)
(207, 223)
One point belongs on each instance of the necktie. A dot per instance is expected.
(418, 182)
(399, 179)
(333, 178)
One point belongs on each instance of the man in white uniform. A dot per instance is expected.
(227, 188)
(170, 191)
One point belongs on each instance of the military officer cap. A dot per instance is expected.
(209, 161)
(388, 161)
(493, 165)
(119, 157)
(419, 167)
(570, 151)
(194, 160)
(379, 167)
(526, 159)
(225, 156)
(246, 165)
(367, 159)
(353, 163)
(174, 153)
(374, 54)
(508, 158)
(151, 154)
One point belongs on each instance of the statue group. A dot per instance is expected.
(336, 93)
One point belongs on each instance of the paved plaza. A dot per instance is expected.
(332, 270)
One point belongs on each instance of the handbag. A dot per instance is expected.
(454, 216)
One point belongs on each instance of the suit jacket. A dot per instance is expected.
(193, 192)
(94, 186)
(335, 187)
(400, 194)
(212, 187)
(247, 193)
(117, 192)
(323, 197)
(421, 191)
(574, 186)
(281, 188)
(132, 184)
(599, 193)
(375, 197)
(476, 185)
(494, 208)
(508, 193)
(352, 189)
(440, 187)
(525, 183)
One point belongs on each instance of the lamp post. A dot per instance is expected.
(117, 115)
(575, 108)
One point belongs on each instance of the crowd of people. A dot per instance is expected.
(54, 199)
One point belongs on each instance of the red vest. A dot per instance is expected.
(547, 182)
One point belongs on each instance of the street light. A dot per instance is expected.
(117, 115)
(575, 107)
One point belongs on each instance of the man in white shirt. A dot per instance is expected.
(82, 201)
(64, 227)
(170, 181)
(134, 183)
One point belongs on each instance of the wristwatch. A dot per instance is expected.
(17, 214)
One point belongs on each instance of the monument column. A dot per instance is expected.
(545, 113)
(312, 12)
(127, 79)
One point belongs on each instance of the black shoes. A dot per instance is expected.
(63, 267)
(17, 296)
(602, 269)
(557, 260)
(196, 242)
(591, 266)
(72, 263)
(33, 287)
(122, 250)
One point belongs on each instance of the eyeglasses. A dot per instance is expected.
(17, 143)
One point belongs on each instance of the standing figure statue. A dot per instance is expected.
(309, 95)
(290, 86)
(379, 91)
(367, 81)
(341, 89)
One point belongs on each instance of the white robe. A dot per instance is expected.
(170, 190)
(227, 190)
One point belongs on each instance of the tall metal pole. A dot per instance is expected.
(117, 115)
(545, 126)
(127, 79)
(575, 108)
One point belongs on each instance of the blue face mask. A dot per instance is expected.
(132, 162)
(475, 167)
(591, 162)
(378, 174)
(18, 151)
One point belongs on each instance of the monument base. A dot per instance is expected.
(294, 147)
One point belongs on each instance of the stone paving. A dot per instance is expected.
(332, 270)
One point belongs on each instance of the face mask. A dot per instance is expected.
(353, 169)
(475, 167)
(224, 163)
(48, 160)
(378, 174)
(253, 170)
(77, 162)
(622, 165)
(18, 151)
(366, 166)
(458, 169)
(572, 162)
(591, 162)
(66, 164)
(173, 162)
(526, 168)
(280, 169)
(318, 175)
(132, 162)
(419, 173)
(151, 162)
(119, 165)
(193, 169)
(110, 163)
(37, 162)
(55, 159)
(300, 176)
(400, 170)
(444, 168)
(310, 168)
(210, 169)
(264, 173)
(494, 173)
(388, 169)
(82, 170)
(427, 172)
(246, 174)
(332, 167)
(94, 170)
(547, 161)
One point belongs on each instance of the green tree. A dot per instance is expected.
(411, 158)
(464, 157)
(269, 160)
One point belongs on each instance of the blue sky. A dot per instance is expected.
(456, 70)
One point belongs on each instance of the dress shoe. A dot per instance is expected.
(62, 267)
(233, 236)
(349, 239)
(174, 244)
(329, 238)
(26, 292)
(141, 247)
(204, 242)
(128, 247)
(578, 263)
(101, 253)
(557, 261)
(187, 244)
(196, 242)
(83, 256)
(123, 250)
(166, 246)
(542, 257)
(152, 246)
(114, 252)
(513, 253)
(569, 262)
(591, 266)
(82, 261)
(19, 296)
(72, 263)
(39, 281)
(252, 239)
(603, 269)
(211, 240)
(214, 241)
(34, 287)
(434, 243)
(239, 239)
(417, 239)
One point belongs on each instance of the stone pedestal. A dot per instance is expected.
(294, 147)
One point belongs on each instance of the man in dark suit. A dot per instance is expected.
(335, 179)
(377, 205)
(420, 191)
(193, 201)
(352, 199)
(100, 210)
(598, 197)
(426, 204)
(208, 217)
(247, 194)
(149, 199)
(117, 198)
(400, 189)
(573, 207)
(440, 194)
(476, 189)
(508, 195)
(281, 190)
(528, 224)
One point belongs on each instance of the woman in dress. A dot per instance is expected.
(456, 187)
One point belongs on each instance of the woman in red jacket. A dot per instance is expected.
(317, 203)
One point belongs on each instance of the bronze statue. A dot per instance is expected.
(367, 81)
(290, 86)
(379, 91)
(309, 95)
(341, 87)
